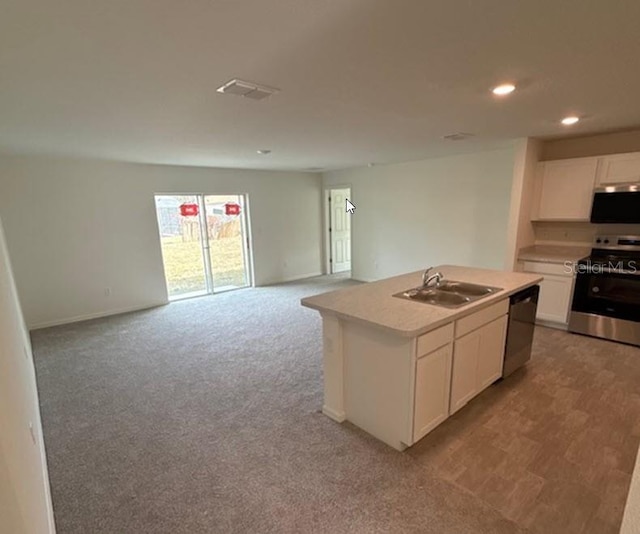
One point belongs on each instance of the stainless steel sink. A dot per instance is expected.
(449, 294)
(464, 288)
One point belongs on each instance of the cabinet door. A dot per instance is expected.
(465, 370)
(555, 298)
(433, 379)
(619, 168)
(567, 189)
(491, 355)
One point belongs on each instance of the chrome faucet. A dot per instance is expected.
(428, 279)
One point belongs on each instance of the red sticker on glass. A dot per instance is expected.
(189, 210)
(231, 208)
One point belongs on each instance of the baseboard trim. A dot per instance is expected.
(98, 315)
(332, 414)
(552, 324)
(290, 279)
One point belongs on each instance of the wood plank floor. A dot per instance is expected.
(553, 446)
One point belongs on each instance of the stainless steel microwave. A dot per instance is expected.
(616, 203)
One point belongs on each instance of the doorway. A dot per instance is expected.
(339, 230)
(204, 242)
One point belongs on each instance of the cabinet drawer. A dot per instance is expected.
(434, 340)
(482, 317)
(557, 269)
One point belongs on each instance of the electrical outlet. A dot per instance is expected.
(32, 432)
(107, 291)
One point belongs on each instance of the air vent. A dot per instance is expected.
(458, 136)
(247, 89)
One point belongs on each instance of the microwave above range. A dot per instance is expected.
(616, 204)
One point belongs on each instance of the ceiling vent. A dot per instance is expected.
(247, 89)
(458, 136)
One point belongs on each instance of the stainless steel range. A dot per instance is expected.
(606, 300)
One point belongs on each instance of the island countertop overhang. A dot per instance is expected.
(373, 303)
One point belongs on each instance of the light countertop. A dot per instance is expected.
(553, 253)
(373, 303)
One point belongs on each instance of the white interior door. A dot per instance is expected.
(339, 230)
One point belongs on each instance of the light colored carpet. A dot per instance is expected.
(203, 416)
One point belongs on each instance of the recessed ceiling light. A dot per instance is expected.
(504, 89)
(263, 151)
(568, 121)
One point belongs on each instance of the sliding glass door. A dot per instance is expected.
(226, 233)
(204, 243)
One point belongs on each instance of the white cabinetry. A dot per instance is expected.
(491, 355)
(477, 361)
(565, 189)
(433, 377)
(619, 168)
(465, 369)
(400, 388)
(556, 291)
(478, 353)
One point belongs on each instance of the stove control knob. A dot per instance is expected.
(606, 240)
(598, 240)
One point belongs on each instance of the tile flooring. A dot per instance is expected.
(553, 446)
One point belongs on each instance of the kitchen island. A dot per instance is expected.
(398, 368)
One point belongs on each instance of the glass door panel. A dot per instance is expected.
(181, 239)
(226, 232)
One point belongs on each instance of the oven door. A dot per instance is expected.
(608, 292)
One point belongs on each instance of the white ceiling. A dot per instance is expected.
(362, 80)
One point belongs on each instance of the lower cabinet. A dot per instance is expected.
(399, 388)
(556, 292)
(555, 298)
(433, 376)
(477, 361)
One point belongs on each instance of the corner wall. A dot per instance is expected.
(75, 227)
(409, 216)
(631, 518)
(591, 145)
(25, 502)
(521, 230)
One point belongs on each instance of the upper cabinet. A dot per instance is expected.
(619, 168)
(565, 189)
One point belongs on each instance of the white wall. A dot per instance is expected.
(25, 503)
(591, 145)
(75, 227)
(521, 231)
(631, 518)
(443, 210)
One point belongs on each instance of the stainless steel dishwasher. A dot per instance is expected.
(522, 319)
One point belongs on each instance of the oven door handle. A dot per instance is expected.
(605, 270)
